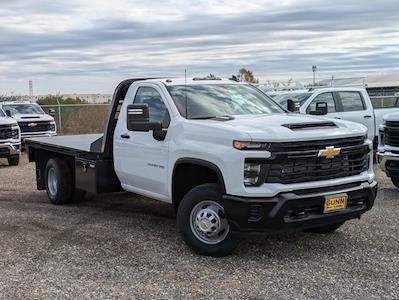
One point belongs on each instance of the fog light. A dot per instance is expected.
(251, 174)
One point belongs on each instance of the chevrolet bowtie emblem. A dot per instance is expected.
(329, 152)
(32, 124)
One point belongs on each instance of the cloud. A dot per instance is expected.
(50, 40)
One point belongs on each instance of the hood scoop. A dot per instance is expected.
(312, 125)
(31, 117)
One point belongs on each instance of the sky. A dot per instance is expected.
(89, 46)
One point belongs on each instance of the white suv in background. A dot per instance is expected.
(346, 103)
(10, 139)
(31, 118)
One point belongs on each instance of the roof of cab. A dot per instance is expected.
(171, 81)
(15, 102)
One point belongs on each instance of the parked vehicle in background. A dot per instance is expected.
(352, 104)
(32, 120)
(388, 147)
(10, 139)
(228, 158)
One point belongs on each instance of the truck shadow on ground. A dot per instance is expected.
(160, 217)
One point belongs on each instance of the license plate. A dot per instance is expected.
(335, 202)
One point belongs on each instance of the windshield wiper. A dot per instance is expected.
(219, 118)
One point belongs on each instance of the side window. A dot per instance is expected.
(351, 101)
(325, 97)
(157, 108)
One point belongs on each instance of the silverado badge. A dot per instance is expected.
(32, 124)
(329, 152)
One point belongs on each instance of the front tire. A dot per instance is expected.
(325, 229)
(395, 181)
(13, 160)
(203, 224)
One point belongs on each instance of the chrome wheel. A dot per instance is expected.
(208, 222)
(52, 182)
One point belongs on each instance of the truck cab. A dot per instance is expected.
(10, 139)
(227, 157)
(32, 120)
(346, 103)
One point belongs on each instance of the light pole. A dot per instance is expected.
(314, 69)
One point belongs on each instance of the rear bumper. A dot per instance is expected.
(296, 210)
(9, 149)
(389, 163)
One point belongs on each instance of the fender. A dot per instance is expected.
(203, 163)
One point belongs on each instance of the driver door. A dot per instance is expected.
(142, 159)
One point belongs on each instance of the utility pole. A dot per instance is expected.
(314, 69)
(30, 89)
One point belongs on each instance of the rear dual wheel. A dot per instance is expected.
(60, 182)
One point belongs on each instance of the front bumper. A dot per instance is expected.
(9, 149)
(389, 163)
(295, 210)
(37, 134)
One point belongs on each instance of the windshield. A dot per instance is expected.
(20, 109)
(207, 101)
(297, 97)
(2, 114)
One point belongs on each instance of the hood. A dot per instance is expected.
(32, 117)
(394, 116)
(7, 121)
(290, 127)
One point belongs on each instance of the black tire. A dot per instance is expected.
(206, 192)
(61, 191)
(325, 229)
(13, 160)
(395, 181)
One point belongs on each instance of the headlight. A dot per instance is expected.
(14, 133)
(240, 145)
(52, 126)
(251, 173)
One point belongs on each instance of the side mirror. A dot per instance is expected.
(51, 112)
(292, 105)
(321, 109)
(8, 113)
(138, 118)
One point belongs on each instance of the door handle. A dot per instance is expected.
(367, 116)
(337, 118)
(125, 136)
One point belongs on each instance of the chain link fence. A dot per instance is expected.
(79, 118)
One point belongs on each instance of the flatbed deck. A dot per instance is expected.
(73, 143)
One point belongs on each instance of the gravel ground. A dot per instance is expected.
(124, 246)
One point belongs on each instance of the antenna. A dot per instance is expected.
(185, 91)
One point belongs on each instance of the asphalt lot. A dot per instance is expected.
(127, 246)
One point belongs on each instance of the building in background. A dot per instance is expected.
(89, 98)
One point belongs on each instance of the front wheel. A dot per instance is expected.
(325, 229)
(395, 181)
(203, 224)
(13, 160)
